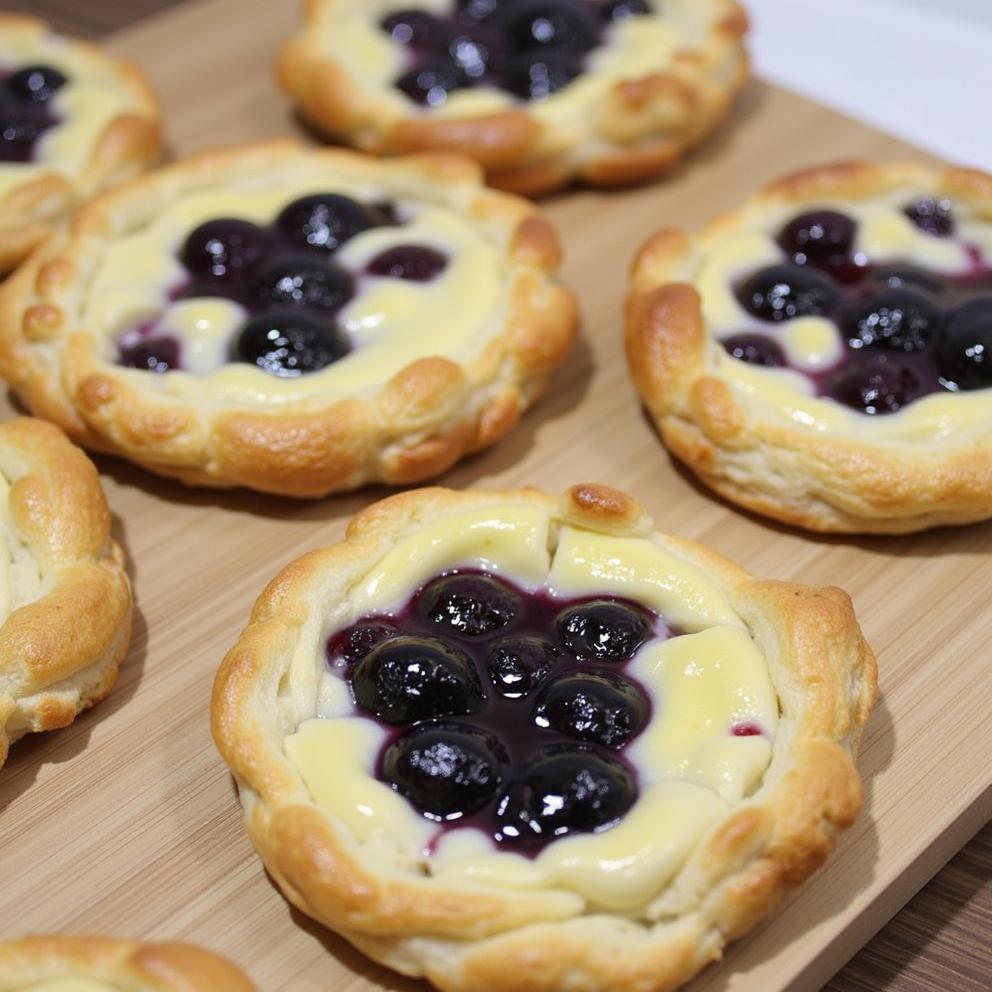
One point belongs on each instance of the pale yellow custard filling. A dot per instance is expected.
(389, 323)
(813, 344)
(691, 768)
(68, 985)
(91, 98)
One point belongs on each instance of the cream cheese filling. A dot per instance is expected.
(692, 769)
(89, 101)
(885, 235)
(389, 323)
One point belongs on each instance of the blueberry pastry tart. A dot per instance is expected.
(508, 741)
(73, 120)
(824, 355)
(541, 92)
(294, 321)
(100, 964)
(65, 600)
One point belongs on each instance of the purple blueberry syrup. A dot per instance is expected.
(285, 277)
(530, 48)
(25, 110)
(908, 332)
(507, 711)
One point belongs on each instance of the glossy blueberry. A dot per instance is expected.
(620, 10)
(899, 319)
(20, 128)
(755, 349)
(475, 52)
(354, 643)
(408, 678)
(876, 385)
(563, 789)
(534, 76)
(415, 263)
(907, 277)
(416, 28)
(821, 238)
(158, 354)
(964, 355)
(225, 248)
(782, 292)
(301, 280)
(558, 25)
(447, 770)
(288, 342)
(325, 221)
(517, 665)
(430, 82)
(598, 707)
(469, 604)
(603, 630)
(481, 10)
(35, 83)
(933, 216)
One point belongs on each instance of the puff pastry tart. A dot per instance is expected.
(65, 600)
(824, 354)
(99, 964)
(541, 92)
(72, 121)
(508, 741)
(294, 321)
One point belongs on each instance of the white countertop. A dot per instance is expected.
(919, 69)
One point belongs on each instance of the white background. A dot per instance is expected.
(919, 69)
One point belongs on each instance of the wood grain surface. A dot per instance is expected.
(127, 823)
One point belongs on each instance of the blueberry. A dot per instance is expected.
(907, 277)
(563, 789)
(933, 216)
(964, 355)
(415, 263)
(620, 10)
(430, 83)
(517, 665)
(534, 76)
(559, 25)
(598, 707)
(447, 770)
(782, 292)
(286, 342)
(408, 678)
(303, 280)
(603, 630)
(755, 349)
(898, 319)
(481, 10)
(877, 385)
(471, 605)
(225, 248)
(822, 238)
(355, 642)
(20, 129)
(157, 354)
(35, 83)
(475, 51)
(325, 221)
(416, 28)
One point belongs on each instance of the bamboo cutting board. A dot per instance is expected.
(126, 823)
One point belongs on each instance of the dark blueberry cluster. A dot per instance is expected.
(26, 111)
(530, 48)
(506, 710)
(907, 331)
(285, 276)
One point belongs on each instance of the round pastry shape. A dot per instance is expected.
(65, 599)
(541, 92)
(73, 121)
(508, 741)
(100, 964)
(291, 320)
(824, 354)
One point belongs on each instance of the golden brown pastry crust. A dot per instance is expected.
(641, 127)
(468, 938)
(418, 425)
(59, 651)
(122, 964)
(753, 457)
(128, 144)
